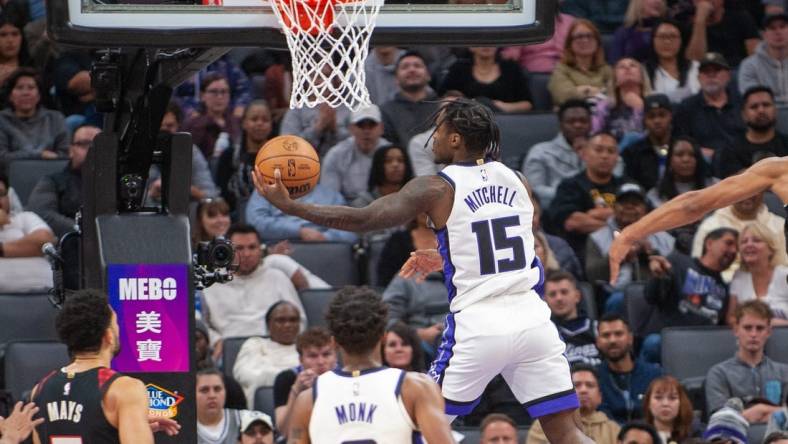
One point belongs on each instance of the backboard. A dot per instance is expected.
(236, 23)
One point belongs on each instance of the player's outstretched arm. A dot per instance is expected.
(416, 197)
(423, 400)
(691, 206)
(299, 419)
(131, 399)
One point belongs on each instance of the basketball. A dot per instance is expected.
(296, 160)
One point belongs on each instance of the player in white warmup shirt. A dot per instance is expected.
(482, 213)
(364, 402)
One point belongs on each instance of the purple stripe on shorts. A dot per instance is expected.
(460, 408)
(551, 405)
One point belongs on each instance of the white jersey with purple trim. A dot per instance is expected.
(361, 408)
(488, 243)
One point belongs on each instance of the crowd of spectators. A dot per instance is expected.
(653, 98)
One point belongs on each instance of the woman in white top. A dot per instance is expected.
(670, 72)
(761, 274)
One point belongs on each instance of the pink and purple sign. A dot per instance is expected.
(152, 304)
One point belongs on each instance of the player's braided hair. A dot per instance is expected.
(474, 122)
(356, 318)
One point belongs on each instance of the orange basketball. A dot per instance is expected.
(296, 160)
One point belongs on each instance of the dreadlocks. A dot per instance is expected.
(474, 122)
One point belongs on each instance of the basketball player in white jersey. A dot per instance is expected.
(481, 212)
(364, 402)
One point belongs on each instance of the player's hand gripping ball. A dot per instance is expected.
(296, 160)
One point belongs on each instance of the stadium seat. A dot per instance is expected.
(519, 132)
(264, 400)
(26, 362)
(782, 119)
(230, 349)
(637, 311)
(537, 84)
(756, 433)
(315, 303)
(374, 249)
(334, 262)
(24, 174)
(777, 347)
(689, 352)
(26, 317)
(589, 302)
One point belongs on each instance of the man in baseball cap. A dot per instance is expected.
(645, 159)
(763, 68)
(256, 428)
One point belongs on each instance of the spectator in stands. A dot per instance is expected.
(670, 71)
(422, 305)
(632, 39)
(322, 126)
(767, 67)
(685, 170)
(761, 139)
(213, 220)
(237, 308)
(582, 71)
(711, 116)
(256, 428)
(414, 102)
(548, 163)
(575, 327)
(668, 408)
(646, 159)
(556, 247)
(498, 428)
(728, 31)
(58, 197)
(542, 57)
(390, 170)
(214, 128)
(762, 275)
(234, 394)
(346, 167)
(235, 165)
(317, 354)
(594, 423)
(217, 424)
(380, 68)
(486, 77)
(544, 253)
(396, 251)
(13, 47)
(73, 89)
(749, 375)
(621, 111)
(630, 207)
(607, 15)
(584, 202)
(736, 216)
(188, 93)
(420, 146)
(776, 438)
(22, 234)
(622, 379)
(202, 185)
(638, 432)
(402, 348)
(260, 359)
(690, 291)
(728, 425)
(27, 129)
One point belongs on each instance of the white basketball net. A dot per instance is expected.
(328, 54)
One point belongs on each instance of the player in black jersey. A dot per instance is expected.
(86, 402)
(767, 175)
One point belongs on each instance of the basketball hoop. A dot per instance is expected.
(329, 42)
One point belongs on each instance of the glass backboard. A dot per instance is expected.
(190, 23)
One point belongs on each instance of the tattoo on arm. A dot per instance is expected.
(417, 196)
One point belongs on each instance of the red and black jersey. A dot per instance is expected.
(70, 404)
